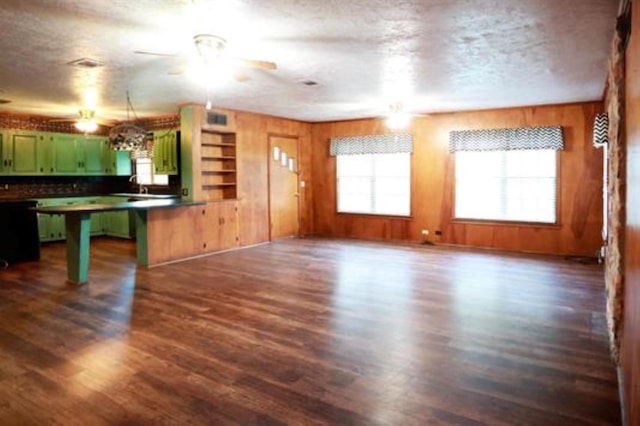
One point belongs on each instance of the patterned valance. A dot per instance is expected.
(506, 139)
(601, 130)
(372, 144)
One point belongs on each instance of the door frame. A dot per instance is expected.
(271, 135)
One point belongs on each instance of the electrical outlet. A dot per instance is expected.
(303, 184)
(425, 232)
(438, 232)
(185, 191)
(6, 186)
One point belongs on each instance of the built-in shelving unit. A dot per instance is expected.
(218, 165)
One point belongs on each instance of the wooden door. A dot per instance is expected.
(283, 187)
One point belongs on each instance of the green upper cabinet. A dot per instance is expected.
(165, 152)
(91, 152)
(116, 162)
(64, 152)
(23, 153)
(77, 154)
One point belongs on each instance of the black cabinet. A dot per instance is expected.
(18, 231)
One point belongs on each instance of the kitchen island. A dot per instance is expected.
(78, 228)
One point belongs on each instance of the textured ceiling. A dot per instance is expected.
(431, 55)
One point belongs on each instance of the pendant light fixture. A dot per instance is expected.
(128, 136)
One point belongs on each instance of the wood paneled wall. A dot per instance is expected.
(631, 326)
(252, 156)
(580, 219)
(252, 140)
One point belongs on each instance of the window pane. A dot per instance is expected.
(145, 173)
(374, 183)
(506, 185)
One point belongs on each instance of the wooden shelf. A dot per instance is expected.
(221, 144)
(204, 129)
(226, 157)
(215, 172)
(218, 164)
(217, 185)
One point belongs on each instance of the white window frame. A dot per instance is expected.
(373, 176)
(504, 216)
(151, 178)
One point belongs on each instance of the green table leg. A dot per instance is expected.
(141, 237)
(78, 226)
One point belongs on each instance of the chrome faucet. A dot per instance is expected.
(141, 188)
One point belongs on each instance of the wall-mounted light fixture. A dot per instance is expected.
(292, 165)
(276, 153)
(283, 159)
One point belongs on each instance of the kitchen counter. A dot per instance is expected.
(78, 227)
(144, 195)
(124, 205)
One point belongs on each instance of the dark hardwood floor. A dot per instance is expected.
(306, 332)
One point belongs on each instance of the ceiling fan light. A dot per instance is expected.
(398, 121)
(86, 126)
(209, 46)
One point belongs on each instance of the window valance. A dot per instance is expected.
(372, 144)
(601, 130)
(507, 139)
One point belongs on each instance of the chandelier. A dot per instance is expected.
(127, 136)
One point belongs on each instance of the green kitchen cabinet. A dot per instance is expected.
(91, 153)
(77, 154)
(165, 152)
(64, 153)
(50, 226)
(116, 163)
(20, 153)
(117, 224)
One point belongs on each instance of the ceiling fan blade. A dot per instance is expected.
(250, 63)
(168, 55)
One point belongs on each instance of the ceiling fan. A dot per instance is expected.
(211, 51)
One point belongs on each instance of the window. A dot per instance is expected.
(374, 183)
(145, 173)
(517, 185)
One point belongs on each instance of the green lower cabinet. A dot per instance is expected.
(43, 226)
(57, 231)
(117, 224)
(51, 227)
(97, 226)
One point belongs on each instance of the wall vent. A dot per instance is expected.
(216, 118)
